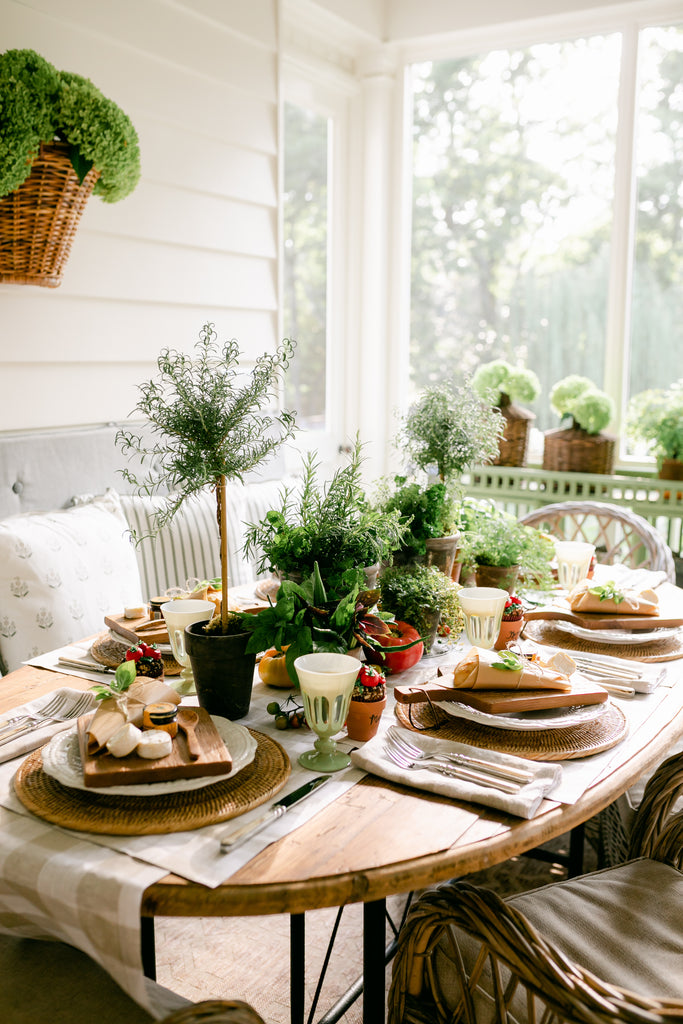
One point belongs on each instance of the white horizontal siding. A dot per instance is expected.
(196, 241)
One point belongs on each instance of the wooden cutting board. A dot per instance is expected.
(102, 770)
(499, 702)
(670, 614)
(128, 628)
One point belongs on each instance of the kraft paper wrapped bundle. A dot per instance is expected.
(502, 670)
(115, 711)
(608, 599)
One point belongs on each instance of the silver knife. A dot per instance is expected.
(89, 667)
(275, 811)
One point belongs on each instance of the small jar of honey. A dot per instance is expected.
(162, 715)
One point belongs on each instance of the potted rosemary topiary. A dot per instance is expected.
(503, 385)
(61, 140)
(208, 426)
(580, 447)
(655, 416)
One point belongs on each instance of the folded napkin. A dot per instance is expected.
(502, 670)
(524, 803)
(612, 598)
(38, 737)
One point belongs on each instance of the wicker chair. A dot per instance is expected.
(464, 954)
(619, 535)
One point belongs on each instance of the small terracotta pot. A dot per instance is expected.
(509, 631)
(363, 719)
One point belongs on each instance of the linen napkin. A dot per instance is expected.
(29, 741)
(523, 804)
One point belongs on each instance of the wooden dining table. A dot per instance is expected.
(376, 840)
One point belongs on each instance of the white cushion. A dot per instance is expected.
(60, 573)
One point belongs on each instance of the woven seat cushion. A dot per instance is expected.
(623, 924)
(52, 983)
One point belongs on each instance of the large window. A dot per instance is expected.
(514, 209)
(305, 262)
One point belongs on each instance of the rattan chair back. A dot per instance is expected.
(619, 535)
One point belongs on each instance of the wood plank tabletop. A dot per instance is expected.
(377, 839)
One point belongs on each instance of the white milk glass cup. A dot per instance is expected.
(573, 561)
(326, 680)
(177, 615)
(483, 611)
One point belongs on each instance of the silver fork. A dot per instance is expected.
(53, 706)
(63, 709)
(518, 775)
(452, 771)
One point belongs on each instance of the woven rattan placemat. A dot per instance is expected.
(543, 632)
(544, 745)
(90, 811)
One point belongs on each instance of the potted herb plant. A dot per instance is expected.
(333, 524)
(581, 446)
(430, 515)
(207, 427)
(61, 140)
(424, 597)
(504, 385)
(504, 553)
(450, 428)
(655, 416)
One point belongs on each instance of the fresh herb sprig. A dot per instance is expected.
(123, 677)
(509, 662)
(608, 592)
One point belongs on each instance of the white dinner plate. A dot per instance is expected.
(616, 636)
(62, 760)
(529, 721)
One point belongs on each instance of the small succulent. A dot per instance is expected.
(147, 658)
(370, 686)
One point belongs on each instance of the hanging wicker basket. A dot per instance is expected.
(39, 219)
(576, 451)
(515, 439)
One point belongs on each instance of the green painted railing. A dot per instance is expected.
(519, 490)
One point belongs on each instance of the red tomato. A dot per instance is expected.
(395, 661)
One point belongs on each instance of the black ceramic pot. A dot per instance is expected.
(223, 672)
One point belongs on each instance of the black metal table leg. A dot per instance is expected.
(297, 967)
(149, 962)
(373, 962)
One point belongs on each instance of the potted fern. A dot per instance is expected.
(655, 417)
(61, 140)
(504, 385)
(208, 425)
(580, 446)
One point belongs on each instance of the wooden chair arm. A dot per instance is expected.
(655, 833)
(508, 941)
(215, 1011)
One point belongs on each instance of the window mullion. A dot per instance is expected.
(618, 340)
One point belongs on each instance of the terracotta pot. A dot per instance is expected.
(441, 552)
(363, 719)
(509, 631)
(671, 469)
(504, 577)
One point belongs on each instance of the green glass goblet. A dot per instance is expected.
(326, 682)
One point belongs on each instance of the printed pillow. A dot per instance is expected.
(60, 573)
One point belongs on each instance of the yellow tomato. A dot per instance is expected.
(272, 669)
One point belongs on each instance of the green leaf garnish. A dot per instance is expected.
(607, 592)
(509, 662)
(123, 677)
